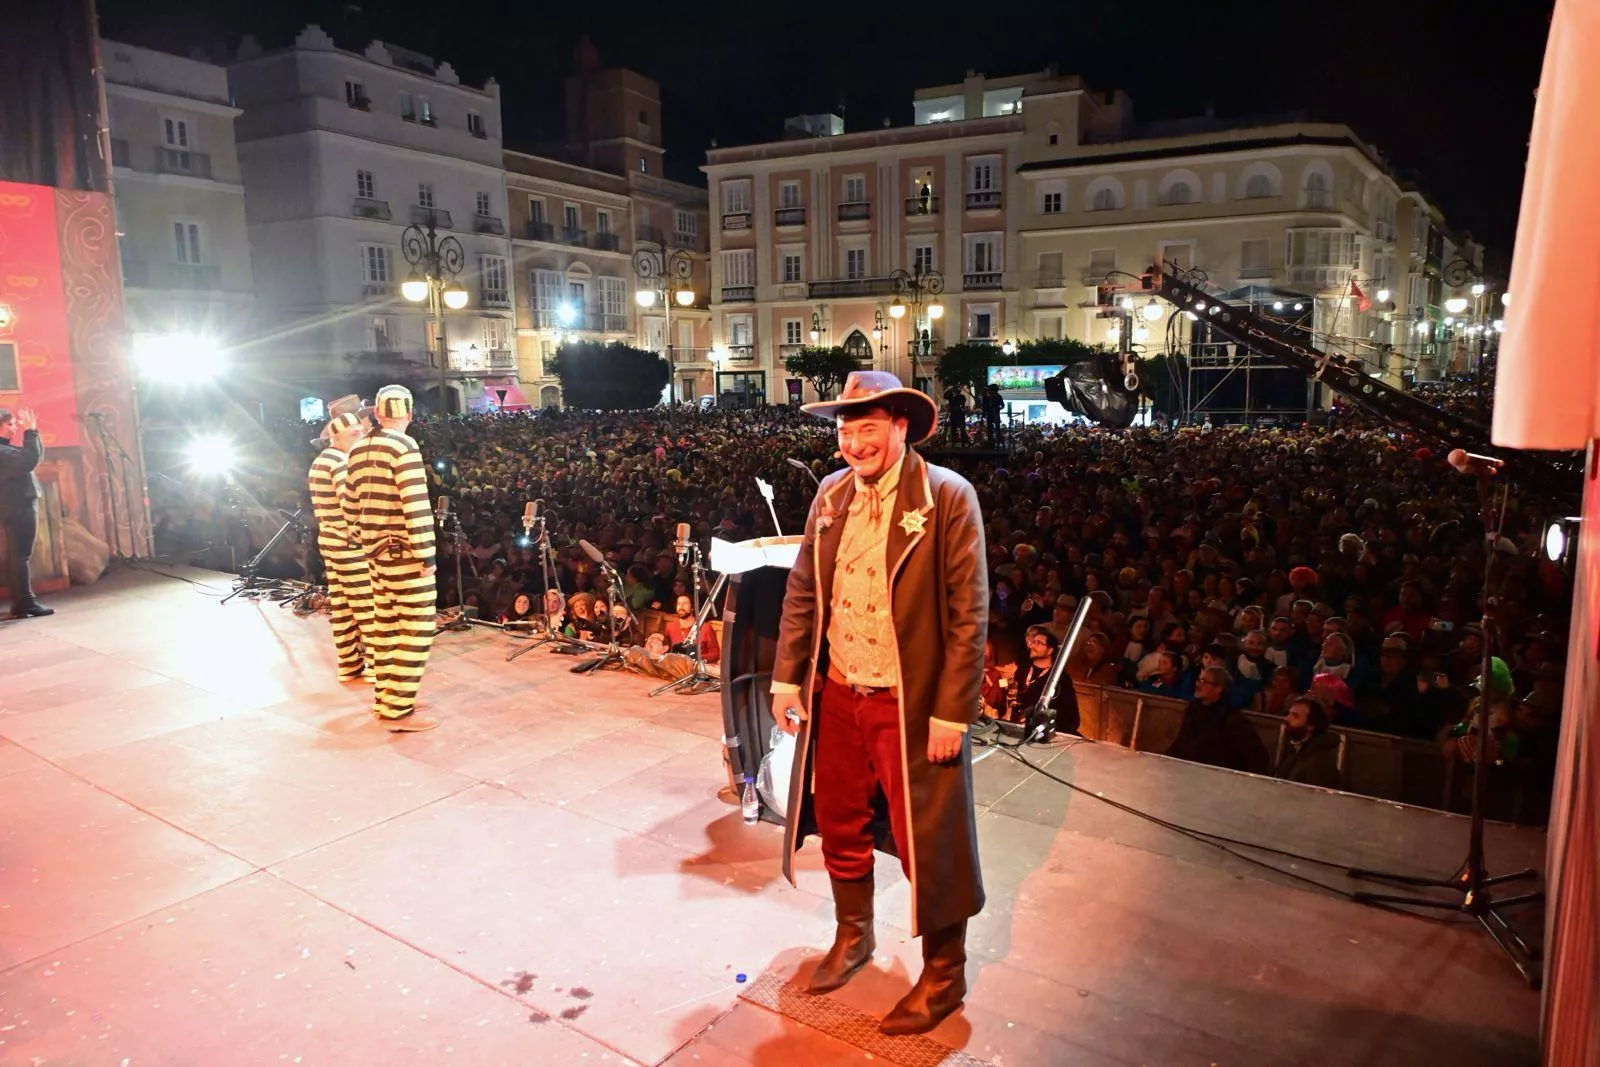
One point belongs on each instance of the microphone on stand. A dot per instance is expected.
(593, 552)
(530, 512)
(682, 544)
(798, 465)
(444, 511)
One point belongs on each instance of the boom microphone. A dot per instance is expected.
(592, 552)
(682, 544)
(798, 465)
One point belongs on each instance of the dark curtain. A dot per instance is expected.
(50, 117)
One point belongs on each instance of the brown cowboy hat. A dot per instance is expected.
(876, 388)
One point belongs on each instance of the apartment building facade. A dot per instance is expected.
(1026, 193)
(181, 230)
(340, 152)
(598, 232)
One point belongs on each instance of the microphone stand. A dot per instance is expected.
(453, 526)
(249, 583)
(1471, 879)
(551, 574)
(699, 681)
(612, 653)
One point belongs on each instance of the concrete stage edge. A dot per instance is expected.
(212, 855)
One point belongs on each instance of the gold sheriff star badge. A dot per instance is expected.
(912, 522)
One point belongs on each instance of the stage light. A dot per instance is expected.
(1192, 316)
(1152, 310)
(1456, 305)
(177, 358)
(1214, 308)
(1558, 538)
(1277, 305)
(1299, 306)
(565, 314)
(646, 298)
(210, 455)
(1127, 303)
(414, 288)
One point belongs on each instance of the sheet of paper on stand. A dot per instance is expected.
(737, 557)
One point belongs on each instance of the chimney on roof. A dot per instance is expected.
(585, 57)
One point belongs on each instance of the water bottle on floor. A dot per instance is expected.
(750, 802)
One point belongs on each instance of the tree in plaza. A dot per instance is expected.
(1062, 352)
(967, 364)
(824, 367)
(609, 377)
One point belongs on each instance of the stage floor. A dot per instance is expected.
(211, 855)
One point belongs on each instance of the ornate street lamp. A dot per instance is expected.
(435, 264)
(916, 289)
(664, 276)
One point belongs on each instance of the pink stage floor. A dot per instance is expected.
(212, 856)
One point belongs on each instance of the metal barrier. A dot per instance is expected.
(1371, 764)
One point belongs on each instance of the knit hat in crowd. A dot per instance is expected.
(394, 402)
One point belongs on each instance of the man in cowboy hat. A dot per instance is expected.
(349, 591)
(879, 665)
(386, 491)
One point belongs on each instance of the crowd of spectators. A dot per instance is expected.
(1329, 575)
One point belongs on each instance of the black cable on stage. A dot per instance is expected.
(1205, 837)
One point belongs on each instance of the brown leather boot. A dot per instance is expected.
(853, 942)
(940, 989)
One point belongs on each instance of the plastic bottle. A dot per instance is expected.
(750, 802)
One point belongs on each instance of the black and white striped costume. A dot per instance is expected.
(349, 592)
(386, 492)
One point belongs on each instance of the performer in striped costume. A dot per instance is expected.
(386, 489)
(349, 593)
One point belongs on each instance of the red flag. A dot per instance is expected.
(1362, 303)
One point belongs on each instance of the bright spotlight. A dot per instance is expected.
(1127, 303)
(210, 455)
(1422, 327)
(1152, 310)
(1383, 296)
(1456, 305)
(565, 314)
(177, 358)
(1299, 306)
(1558, 538)
(1478, 289)
(1277, 305)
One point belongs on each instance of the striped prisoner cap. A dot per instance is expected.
(393, 402)
(340, 423)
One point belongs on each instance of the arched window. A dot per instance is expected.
(858, 346)
(1257, 186)
(1178, 193)
(1316, 188)
(1104, 200)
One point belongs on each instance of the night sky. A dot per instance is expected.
(1443, 89)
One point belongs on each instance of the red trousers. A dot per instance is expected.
(857, 753)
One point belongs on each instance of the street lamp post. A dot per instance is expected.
(664, 275)
(915, 289)
(435, 264)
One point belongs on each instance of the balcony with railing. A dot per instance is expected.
(377, 290)
(184, 162)
(496, 299)
(840, 287)
(364, 207)
(785, 351)
(981, 280)
(922, 205)
(649, 235)
(985, 200)
(1096, 273)
(738, 294)
(736, 220)
(488, 224)
(538, 231)
(386, 357)
(789, 216)
(421, 215)
(576, 237)
(607, 242)
(855, 211)
(1320, 277)
(741, 353)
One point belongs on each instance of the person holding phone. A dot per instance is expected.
(19, 506)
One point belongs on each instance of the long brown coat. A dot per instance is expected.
(940, 597)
